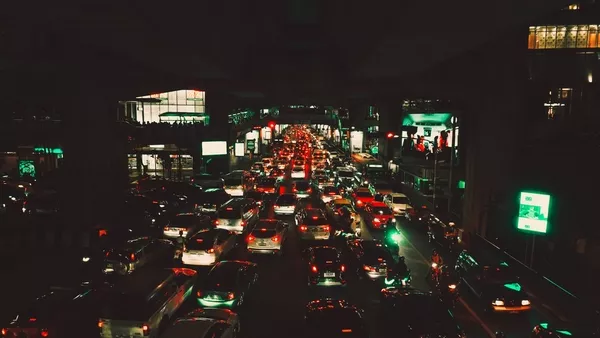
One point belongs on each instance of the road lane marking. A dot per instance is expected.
(460, 299)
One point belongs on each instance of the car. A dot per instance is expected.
(208, 246)
(313, 224)
(382, 187)
(373, 259)
(258, 168)
(186, 222)
(268, 236)
(492, 282)
(205, 323)
(209, 200)
(334, 318)
(302, 189)
(135, 254)
(399, 203)
(378, 215)
(325, 266)
(256, 196)
(227, 284)
(277, 173)
(329, 192)
(418, 314)
(298, 172)
(362, 196)
(285, 204)
(319, 173)
(205, 181)
(266, 185)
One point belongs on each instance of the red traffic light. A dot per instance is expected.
(272, 125)
(390, 135)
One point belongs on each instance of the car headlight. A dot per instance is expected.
(85, 259)
(498, 303)
(525, 302)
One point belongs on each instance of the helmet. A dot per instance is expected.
(180, 232)
(434, 252)
(401, 259)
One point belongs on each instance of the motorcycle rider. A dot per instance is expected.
(179, 245)
(436, 263)
(400, 269)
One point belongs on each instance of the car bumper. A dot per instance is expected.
(376, 275)
(327, 282)
(210, 303)
(263, 250)
(284, 211)
(201, 260)
(238, 229)
(512, 309)
(235, 192)
(314, 235)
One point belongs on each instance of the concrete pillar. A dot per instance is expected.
(219, 106)
(95, 159)
(390, 118)
(490, 131)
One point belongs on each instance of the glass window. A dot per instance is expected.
(551, 37)
(172, 97)
(561, 32)
(181, 97)
(531, 40)
(571, 36)
(593, 36)
(540, 33)
(582, 36)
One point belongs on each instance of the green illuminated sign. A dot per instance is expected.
(26, 168)
(461, 184)
(41, 150)
(533, 212)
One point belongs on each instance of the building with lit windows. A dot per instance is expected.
(181, 106)
(564, 60)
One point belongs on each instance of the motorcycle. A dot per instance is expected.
(392, 241)
(434, 272)
(398, 281)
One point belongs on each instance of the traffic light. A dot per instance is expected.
(272, 125)
(390, 135)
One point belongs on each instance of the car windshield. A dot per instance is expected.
(230, 182)
(364, 194)
(302, 186)
(382, 211)
(221, 278)
(202, 241)
(184, 220)
(286, 200)
(345, 174)
(400, 200)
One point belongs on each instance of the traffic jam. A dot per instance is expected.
(305, 242)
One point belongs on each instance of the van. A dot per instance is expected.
(237, 214)
(142, 304)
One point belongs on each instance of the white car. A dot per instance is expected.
(298, 172)
(208, 246)
(186, 222)
(285, 205)
(204, 323)
(268, 236)
(399, 203)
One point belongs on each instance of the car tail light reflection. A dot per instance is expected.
(146, 330)
(250, 238)
(314, 268)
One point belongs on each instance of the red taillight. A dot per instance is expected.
(326, 228)
(309, 190)
(216, 222)
(185, 271)
(276, 238)
(32, 319)
(132, 257)
(243, 223)
(303, 228)
(275, 206)
(146, 330)
(342, 268)
(295, 190)
(4, 331)
(368, 268)
(44, 333)
(332, 193)
(199, 294)
(230, 296)
(250, 238)
(314, 268)
(211, 250)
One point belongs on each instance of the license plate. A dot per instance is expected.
(382, 270)
(329, 274)
(262, 244)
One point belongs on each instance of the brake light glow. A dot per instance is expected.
(32, 319)
(315, 217)
(216, 222)
(346, 330)
(326, 228)
(359, 202)
(376, 220)
(263, 229)
(368, 268)
(243, 223)
(211, 250)
(199, 240)
(44, 333)
(303, 228)
(154, 202)
(314, 268)
(185, 271)
(250, 238)
(276, 238)
(342, 268)
(452, 286)
(332, 193)
(229, 209)
(4, 331)
(146, 330)
(132, 257)
(199, 294)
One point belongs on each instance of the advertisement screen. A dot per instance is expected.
(212, 148)
(533, 212)
(356, 141)
(240, 149)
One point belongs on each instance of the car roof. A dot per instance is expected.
(315, 211)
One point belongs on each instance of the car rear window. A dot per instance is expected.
(286, 199)
(298, 169)
(364, 194)
(229, 213)
(266, 233)
(318, 221)
(184, 220)
(202, 241)
(233, 182)
(302, 186)
(400, 200)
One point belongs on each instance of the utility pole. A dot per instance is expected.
(451, 185)
(435, 161)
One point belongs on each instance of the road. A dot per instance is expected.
(276, 306)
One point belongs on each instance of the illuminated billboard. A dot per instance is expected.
(214, 148)
(533, 212)
(356, 141)
(240, 149)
